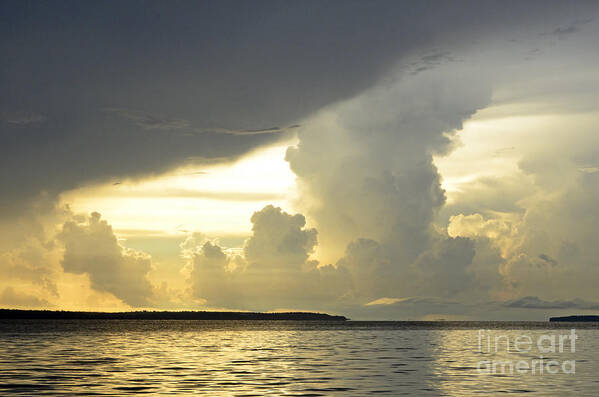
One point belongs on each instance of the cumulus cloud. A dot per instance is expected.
(275, 270)
(441, 270)
(279, 239)
(368, 182)
(29, 254)
(503, 232)
(90, 247)
(370, 268)
(365, 167)
(444, 269)
(546, 240)
(210, 278)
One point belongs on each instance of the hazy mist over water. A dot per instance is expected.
(117, 357)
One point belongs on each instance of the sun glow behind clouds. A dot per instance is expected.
(491, 144)
(214, 199)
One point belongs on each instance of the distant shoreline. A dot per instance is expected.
(575, 319)
(163, 315)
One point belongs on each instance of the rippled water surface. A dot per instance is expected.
(118, 357)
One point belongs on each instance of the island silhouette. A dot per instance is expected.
(165, 315)
(576, 318)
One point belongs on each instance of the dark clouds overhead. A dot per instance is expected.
(212, 65)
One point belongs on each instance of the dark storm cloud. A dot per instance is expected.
(212, 67)
(429, 61)
(570, 28)
(21, 117)
(150, 122)
(156, 122)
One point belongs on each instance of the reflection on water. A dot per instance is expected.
(117, 357)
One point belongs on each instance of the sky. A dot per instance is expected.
(381, 160)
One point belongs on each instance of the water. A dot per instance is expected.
(119, 357)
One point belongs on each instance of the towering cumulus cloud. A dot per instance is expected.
(279, 240)
(366, 173)
(92, 248)
(274, 272)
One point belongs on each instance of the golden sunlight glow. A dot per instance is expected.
(491, 144)
(216, 199)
